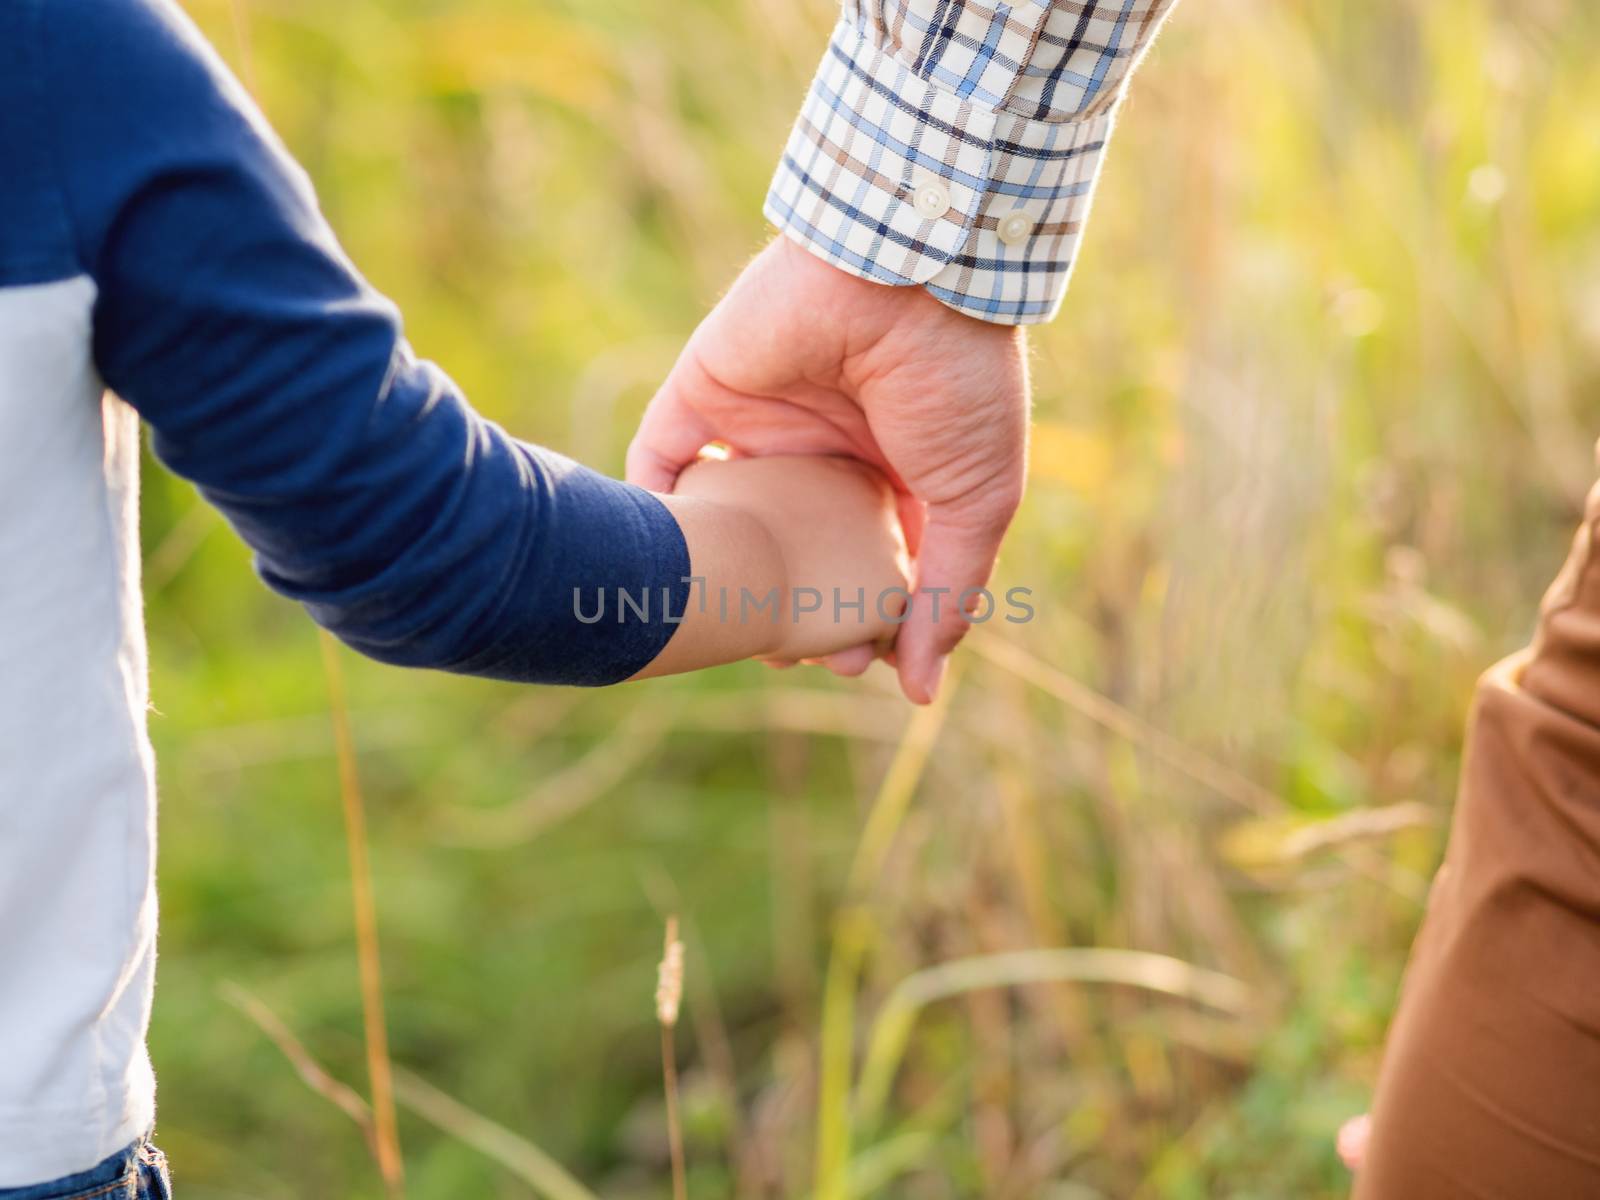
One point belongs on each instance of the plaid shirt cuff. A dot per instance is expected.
(895, 179)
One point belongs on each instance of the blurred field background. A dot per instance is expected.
(1312, 434)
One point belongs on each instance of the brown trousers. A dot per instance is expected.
(1490, 1084)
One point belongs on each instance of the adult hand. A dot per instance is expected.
(803, 358)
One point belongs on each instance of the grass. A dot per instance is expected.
(374, 1026)
(1311, 433)
(853, 934)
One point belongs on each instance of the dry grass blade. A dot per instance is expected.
(1207, 771)
(712, 1041)
(852, 931)
(669, 997)
(1158, 973)
(385, 1134)
(337, 1093)
(494, 1141)
(386, 1129)
(1359, 825)
(559, 796)
(1108, 714)
(605, 765)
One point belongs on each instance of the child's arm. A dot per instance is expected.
(279, 382)
(792, 557)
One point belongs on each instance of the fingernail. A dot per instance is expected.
(936, 676)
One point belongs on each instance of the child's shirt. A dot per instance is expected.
(155, 239)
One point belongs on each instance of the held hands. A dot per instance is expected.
(801, 358)
(794, 558)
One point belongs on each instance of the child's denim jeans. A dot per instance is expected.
(137, 1173)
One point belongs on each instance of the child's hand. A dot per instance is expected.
(801, 557)
(834, 523)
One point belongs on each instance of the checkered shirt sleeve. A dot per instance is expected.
(955, 144)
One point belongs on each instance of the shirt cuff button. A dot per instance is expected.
(1015, 227)
(931, 199)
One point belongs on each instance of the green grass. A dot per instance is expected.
(1313, 428)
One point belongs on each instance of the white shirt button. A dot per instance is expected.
(931, 199)
(1015, 227)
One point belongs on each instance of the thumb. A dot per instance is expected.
(954, 562)
(670, 435)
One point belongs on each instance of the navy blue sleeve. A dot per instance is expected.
(276, 379)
